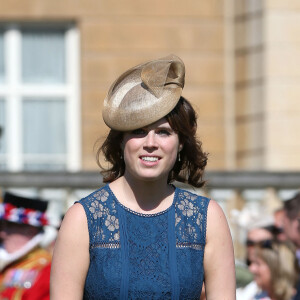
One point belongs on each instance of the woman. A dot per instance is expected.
(275, 271)
(139, 237)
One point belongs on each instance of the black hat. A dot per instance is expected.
(23, 210)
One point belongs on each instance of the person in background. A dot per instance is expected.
(291, 223)
(139, 236)
(24, 265)
(278, 222)
(261, 231)
(275, 270)
(291, 227)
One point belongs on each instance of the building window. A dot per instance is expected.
(39, 97)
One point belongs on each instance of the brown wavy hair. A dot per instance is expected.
(189, 169)
(284, 269)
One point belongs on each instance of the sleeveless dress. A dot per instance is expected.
(145, 256)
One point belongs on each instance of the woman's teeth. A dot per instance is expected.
(149, 158)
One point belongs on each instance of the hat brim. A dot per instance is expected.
(126, 119)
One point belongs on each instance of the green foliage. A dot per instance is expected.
(243, 275)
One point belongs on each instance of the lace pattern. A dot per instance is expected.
(190, 220)
(149, 264)
(104, 228)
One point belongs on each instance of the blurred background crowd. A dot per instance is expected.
(57, 60)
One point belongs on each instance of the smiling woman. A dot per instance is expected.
(140, 237)
(150, 152)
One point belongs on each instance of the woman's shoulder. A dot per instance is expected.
(217, 225)
(73, 221)
(74, 214)
(215, 212)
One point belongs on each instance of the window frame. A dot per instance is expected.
(13, 91)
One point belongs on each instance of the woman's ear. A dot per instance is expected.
(180, 147)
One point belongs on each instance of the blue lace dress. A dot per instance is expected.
(142, 256)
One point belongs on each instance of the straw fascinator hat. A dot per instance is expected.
(144, 94)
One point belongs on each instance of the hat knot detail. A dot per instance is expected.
(158, 74)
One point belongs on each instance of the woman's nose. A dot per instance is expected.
(252, 268)
(150, 140)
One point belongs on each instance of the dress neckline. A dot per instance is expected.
(143, 214)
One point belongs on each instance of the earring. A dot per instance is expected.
(179, 156)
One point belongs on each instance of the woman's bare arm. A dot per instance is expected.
(219, 267)
(71, 256)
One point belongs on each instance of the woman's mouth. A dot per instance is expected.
(149, 158)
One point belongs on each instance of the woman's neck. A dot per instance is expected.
(143, 196)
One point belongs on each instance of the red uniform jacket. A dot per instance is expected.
(27, 278)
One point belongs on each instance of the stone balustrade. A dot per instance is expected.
(254, 193)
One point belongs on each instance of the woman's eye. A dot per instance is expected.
(163, 132)
(138, 131)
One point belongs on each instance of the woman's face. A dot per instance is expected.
(150, 152)
(261, 273)
(255, 236)
(14, 236)
(291, 229)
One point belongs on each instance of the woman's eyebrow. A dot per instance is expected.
(164, 127)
